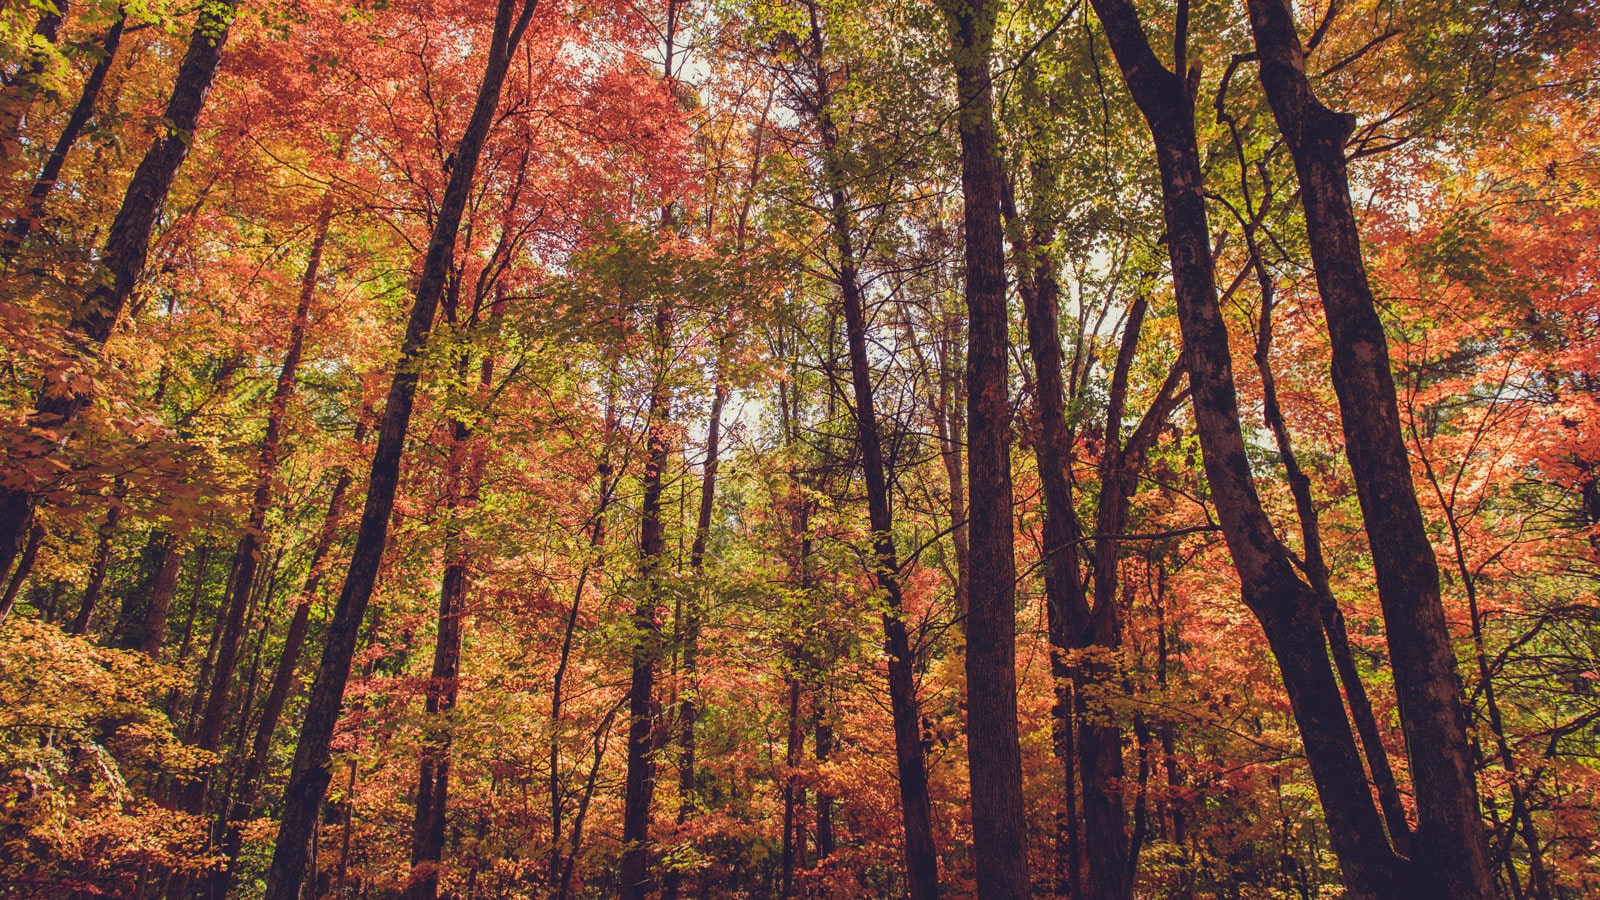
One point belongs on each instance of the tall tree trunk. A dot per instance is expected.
(794, 793)
(81, 113)
(1451, 850)
(1286, 606)
(309, 777)
(639, 789)
(999, 825)
(689, 696)
(283, 683)
(433, 779)
(921, 857)
(123, 258)
(1316, 570)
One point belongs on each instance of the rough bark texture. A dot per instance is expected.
(999, 826)
(1286, 606)
(1451, 849)
(309, 777)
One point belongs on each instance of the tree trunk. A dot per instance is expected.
(24, 567)
(309, 777)
(999, 825)
(823, 742)
(123, 257)
(1286, 607)
(639, 789)
(689, 697)
(793, 792)
(24, 86)
(81, 113)
(97, 569)
(143, 622)
(1451, 850)
(283, 683)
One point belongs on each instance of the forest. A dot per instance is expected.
(714, 449)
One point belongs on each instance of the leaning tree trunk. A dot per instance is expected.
(247, 555)
(1286, 607)
(309, 777)
(1451, 849)
(81, 112)
(122, 259)
(283, 683)
(999, 824)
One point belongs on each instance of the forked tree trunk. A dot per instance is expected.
(1286, 607)
(309, 777)
(1451, 849)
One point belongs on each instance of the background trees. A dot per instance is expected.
(804, 449)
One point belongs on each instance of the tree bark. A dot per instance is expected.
(309, 777)
(1286, 606)
(143, 622)
(98, 568)
(81, 113)
(123, 260)
(999, 825)
(24, 566)
(639, 789)
(1451, 849)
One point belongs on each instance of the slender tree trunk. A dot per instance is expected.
(24, 87)
(999, 825)
(639, 790)
(1286, 606)
(1451, 849)
(24, 567)
(1316, 570)
(81, 113)
(309, 777)
(793, 792)
(98, 569)
(247, 555)
(123, 258)
(823, 743)
(689, 697)
(283, 683)
(433, 780)
(915, 810)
